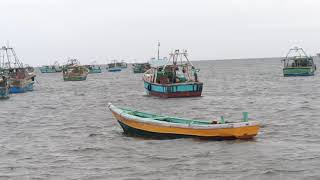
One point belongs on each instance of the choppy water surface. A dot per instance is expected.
(62, 130)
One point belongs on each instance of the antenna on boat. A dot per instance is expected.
(158, 50)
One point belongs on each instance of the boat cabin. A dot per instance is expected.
(299, 59)
(176, 72)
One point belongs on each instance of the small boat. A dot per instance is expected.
(93, 68)
(47, 69)
(300, 64)
(176, 79)
(122, 65)
(114, 67)
(149, 125)
(4, 87)
(21, 78)
(140, 67)
(51, 68)
(73, 71)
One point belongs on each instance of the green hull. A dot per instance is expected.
(50, 70)
(138, 70)
(75, 78)
(92, 71)
(299, 71)
(47, 70)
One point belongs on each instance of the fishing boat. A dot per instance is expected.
(4, 87)
(51, 68)
(114, 66)
(93, 68)
(155, 62)
(298, 63)
(150, 125)
(178, 78)
(47, 69)
(21, 78)
(122, 65)
(140, 67)
(73, 71)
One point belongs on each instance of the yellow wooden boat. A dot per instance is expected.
(144, 124)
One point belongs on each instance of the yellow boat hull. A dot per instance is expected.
(136, 127)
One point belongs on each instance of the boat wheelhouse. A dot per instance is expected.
(298, 63)
(178, 78)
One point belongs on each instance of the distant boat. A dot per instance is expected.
(47, 69)
(174, 79)
(73, 71)
(51, 68)
(21, 79)
(150, 125)
(140, 67)
(114, 67)
(156, 62)
(93, 69)
(299, 64)
(4, 87)
(122, 65)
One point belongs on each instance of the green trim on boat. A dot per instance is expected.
(165, 118)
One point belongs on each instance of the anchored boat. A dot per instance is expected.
(114, 67)
(122, 64)
(73, 71)
(93, 69)
(300, 64)
(21, 79)
(140, 67)
(176, 79)
(4, 87)
(51, 68)
(144, 124)
(47, 69)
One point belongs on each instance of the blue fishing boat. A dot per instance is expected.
(4, 87)
(173, 79)
(114, 67)
(21, 79)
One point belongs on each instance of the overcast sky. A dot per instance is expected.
(42, 31)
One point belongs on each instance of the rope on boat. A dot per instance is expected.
(37, 81)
